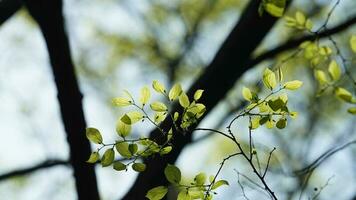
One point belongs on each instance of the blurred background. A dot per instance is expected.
(125, 44)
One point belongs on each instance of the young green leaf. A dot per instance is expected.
(165, 150)
(159, 117)
(158, 106)
(94, 157)
(145, 95)
(173, 174)
(246, 93)
(198, 94)
(269, 79)
(184, 195)
(94, 135)
(352, 110)
(133, 148)
(293, 85)
(282, 123)
(158, 87)
(353, 43)
(108, 157)
(274, 10)
(334, 70)
(121, 101)
(132, 117)
(219, 183)
(123, 149)
(320, 76)
(200, 179)
(300, 17)
(123, 129)
(343, 94)
(157, 193)
(184, 100)
(293, 115)
(139, 167)
(119, 166)
(175, 92)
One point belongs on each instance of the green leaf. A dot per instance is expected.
(334, 70)
(293, 115)
(123, 149)
(123, 129)
(121, 101)
(132, 117)
(274, 10)
(219, 183)
(119, 166)
(94, 157)
(198, 94)
(157, 193)
(165, 150)
(159, 117)
(353, 43)
(176, 116)
(184, 100)
(352, 110)
(246, 93)
(276, 104)
(173, 174)
(270, 123)
(184, 195)
(282, 123)
(145, 95)
(108, 157)
(320, 76)
(133, 148)
(200, 179)
(343, 94)
(293, 85)
(158, 106)
(300, 17)
(158, 87)
(94, 135)
(175, 92)
(139, 167)
(255, 122)
(269, 79)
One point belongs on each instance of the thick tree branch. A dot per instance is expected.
(48, 15)
(218, 78)
(8, 8)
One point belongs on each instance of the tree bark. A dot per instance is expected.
(218, 78)
(48, 15)
(8, 8)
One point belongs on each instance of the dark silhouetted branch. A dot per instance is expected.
(8, 8)
(296, 42)
(48, 14)
(25, 171)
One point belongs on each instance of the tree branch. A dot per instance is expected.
(8, 8)
(48, 15)
(296, 42)
(25, 171)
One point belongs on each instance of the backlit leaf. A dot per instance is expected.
(158, 106)
(293, 85)
(353, 43)
(184, 100)
(145, 95)
(132, 117)
(334, 70)
(94, 135)
(157, 193)
(158, 87)
(123, 149)
(123, 129)
(121, 101)
(172, 173)
(269, 79)
(198, 94)
(108, 157)
(139, 167)
(246, 93)
(94, 157)
(175, 92)
(219, 183)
